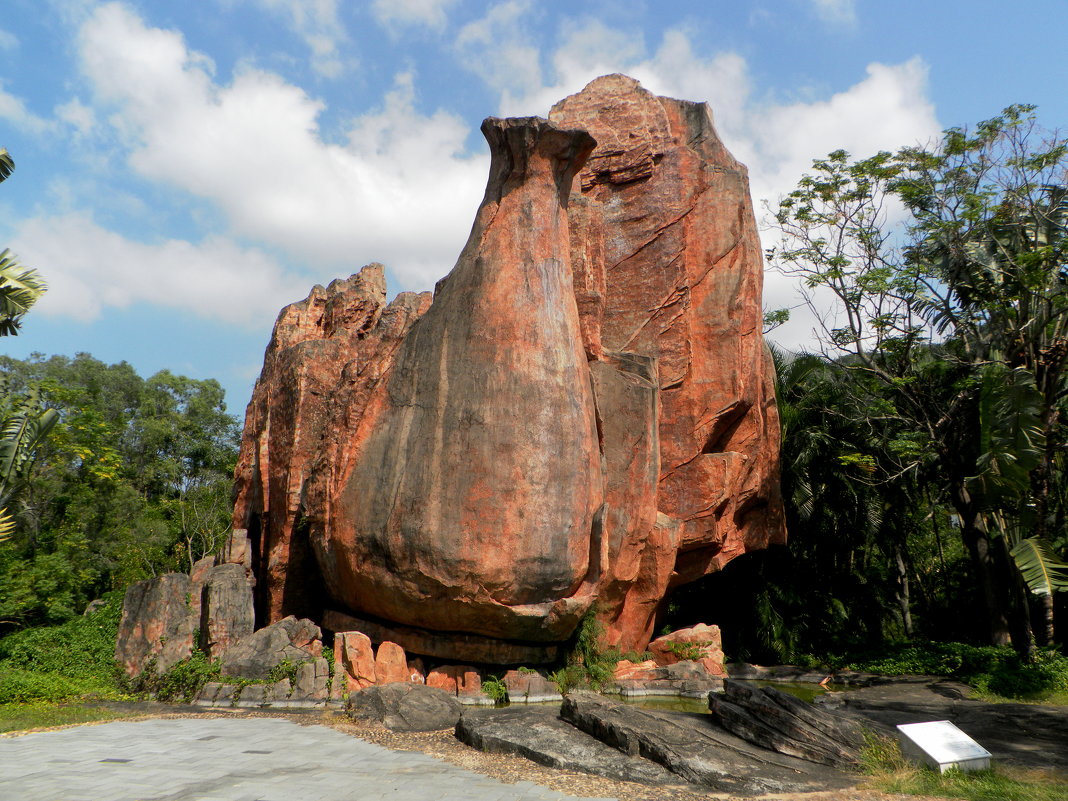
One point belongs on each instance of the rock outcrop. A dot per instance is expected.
(581, 418)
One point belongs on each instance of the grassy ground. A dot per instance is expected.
(890, 772)
(21, 717)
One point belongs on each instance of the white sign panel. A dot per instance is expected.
(942, 745)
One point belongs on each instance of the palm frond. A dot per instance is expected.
(20, 288)
(7, 164)
(7, 525)
(1044, 573)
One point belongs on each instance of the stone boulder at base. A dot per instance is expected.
(581, 417)
(254, 656)
(406, 707)
(160, 620)
(700, 643)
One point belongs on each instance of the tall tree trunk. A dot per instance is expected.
(903, 599)
(991, 581)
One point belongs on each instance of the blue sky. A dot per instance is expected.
(185, 169)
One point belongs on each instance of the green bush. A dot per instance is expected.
(182, 682)
(996, 670)
(58, 663)
(19, 686)
(495, 688)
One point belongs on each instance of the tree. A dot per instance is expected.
(20, 287)
(134, 479)
(947, 320)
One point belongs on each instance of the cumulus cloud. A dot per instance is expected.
(428, 13)
(402, 190)
(91, 269)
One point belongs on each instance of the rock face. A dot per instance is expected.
(582, 415)
(406, 707)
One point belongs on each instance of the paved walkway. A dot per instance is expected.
(261, 759)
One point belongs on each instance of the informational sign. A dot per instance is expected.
(942, 745)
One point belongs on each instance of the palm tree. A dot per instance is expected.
(20, 287)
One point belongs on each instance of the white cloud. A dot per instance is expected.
(8, 40)
(14, 110)
(428, 13)
(496, 48)
(78, 115)
(90, 269)
(317, 23)
(401, 191)
(842, 12)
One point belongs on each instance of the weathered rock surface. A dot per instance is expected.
(780, 722)
(692, 747)
(525, 687)
(688, 679)
(406, 707)
(161, 620)
(354, 660)
(700, 643)
(1029, 735)
(539, 735)
(583, 413)
(254, 656)
(226, 607)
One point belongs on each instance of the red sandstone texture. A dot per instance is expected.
(582, 415)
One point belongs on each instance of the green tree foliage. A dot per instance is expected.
(945, 340)
(134, 479)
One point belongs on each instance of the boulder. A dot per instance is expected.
(780, 722)
(581, 417)
(700, 643)
(227, 614)
(406, 707)
(254, 656)
(160, 620)
(693, 748)
(354, 660)
(538, 734)
(311, 681)
(526, 687)
(391, 664)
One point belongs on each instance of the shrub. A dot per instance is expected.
(997, 670)
(182, 682)
(495, 688)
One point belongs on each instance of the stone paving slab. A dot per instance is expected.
(261, 759)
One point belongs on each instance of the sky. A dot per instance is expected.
(183, 170)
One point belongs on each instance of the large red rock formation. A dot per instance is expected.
(582, 418)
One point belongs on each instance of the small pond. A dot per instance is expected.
(806, 691)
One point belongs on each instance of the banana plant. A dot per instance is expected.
(25, 425)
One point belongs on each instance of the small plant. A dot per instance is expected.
(328, 655)
(495, 688)
(688, 651)
(286, 669)
(527, 671)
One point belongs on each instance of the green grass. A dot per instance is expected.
(890, 772)
(20, 717)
